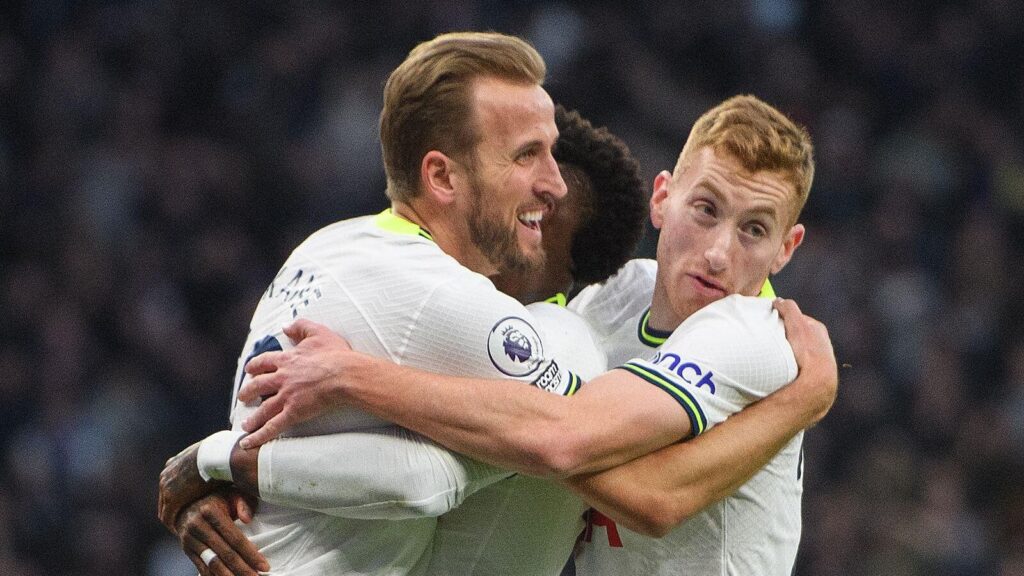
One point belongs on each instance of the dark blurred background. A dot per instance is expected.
(160, 158)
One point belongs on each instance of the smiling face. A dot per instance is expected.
(512, 180)
(723, 230)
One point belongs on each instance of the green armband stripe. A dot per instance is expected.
(574, 384)
(698, 422)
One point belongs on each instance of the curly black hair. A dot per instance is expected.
(615, 201)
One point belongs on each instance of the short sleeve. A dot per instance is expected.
(474, 330)
(723, 358)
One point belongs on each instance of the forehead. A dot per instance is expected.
(723, 176)
(508, 111)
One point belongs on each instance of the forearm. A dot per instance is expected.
(381, 474)
(508, 424)
(655, 493)
(512, 425)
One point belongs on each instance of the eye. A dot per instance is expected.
(756, 229)
(527, 154)
(705, 208)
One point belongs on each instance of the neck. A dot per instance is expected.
(450, 236)
(662, 317)
(536, 287)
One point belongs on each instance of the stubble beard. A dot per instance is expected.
(498, 242)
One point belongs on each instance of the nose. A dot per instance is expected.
(717, 253)
(551, 178)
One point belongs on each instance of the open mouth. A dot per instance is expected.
(531, 219)
(708, 284)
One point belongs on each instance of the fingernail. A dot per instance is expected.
(244, 443)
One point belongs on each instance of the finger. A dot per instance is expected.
(265, 362)
(240, 545)
(786, 307)
(200, 534)
(791, 317)
(259, 386)
(240, 506)
(272, 429)
(232, 547)
(200, 565)
(268, 409)
(303, 328)
(193, 548)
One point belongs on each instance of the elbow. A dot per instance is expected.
(557, 455)
(654, 525)
(657, 517)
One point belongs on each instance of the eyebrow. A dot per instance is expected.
(764, 209)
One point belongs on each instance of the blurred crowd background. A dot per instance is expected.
(160, 158)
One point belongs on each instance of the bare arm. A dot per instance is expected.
(653, 494)
(613, 418)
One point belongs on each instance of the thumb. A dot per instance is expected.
(302, 328)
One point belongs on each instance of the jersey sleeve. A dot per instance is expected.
(723, 358)
(389, 473)
(485, 334)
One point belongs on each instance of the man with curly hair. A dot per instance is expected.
(693, 346)
(587, 235)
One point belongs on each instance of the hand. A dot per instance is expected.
(819, 378)
(181, 484)
(297, 384)
(209, 524)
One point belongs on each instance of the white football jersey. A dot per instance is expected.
(522, 526)
(617, 311)
(719, 360)
(383, 283)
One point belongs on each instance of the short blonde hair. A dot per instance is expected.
(428, 99)
(761, 138)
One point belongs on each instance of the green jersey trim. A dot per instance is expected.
(558, 300)
(388, 220)
(654, 338)
(698, 422)
(649, 336)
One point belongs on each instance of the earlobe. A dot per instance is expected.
(658, 197)
(794, 238)
(436, 176)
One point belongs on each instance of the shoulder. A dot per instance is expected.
(742, 332)
(623, 296)
(568, 337)
(358, 251)
(747, 317)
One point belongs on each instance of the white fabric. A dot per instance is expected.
(214, 455)
(740, 342)
(386, 473)
(522, 526)
(400, 297)
(614, 310)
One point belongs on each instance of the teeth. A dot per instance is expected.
(531, 218)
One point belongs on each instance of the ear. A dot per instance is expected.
(436, 176)
(658, 197)
(794, 238)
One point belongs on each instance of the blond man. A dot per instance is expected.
(728, 216)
